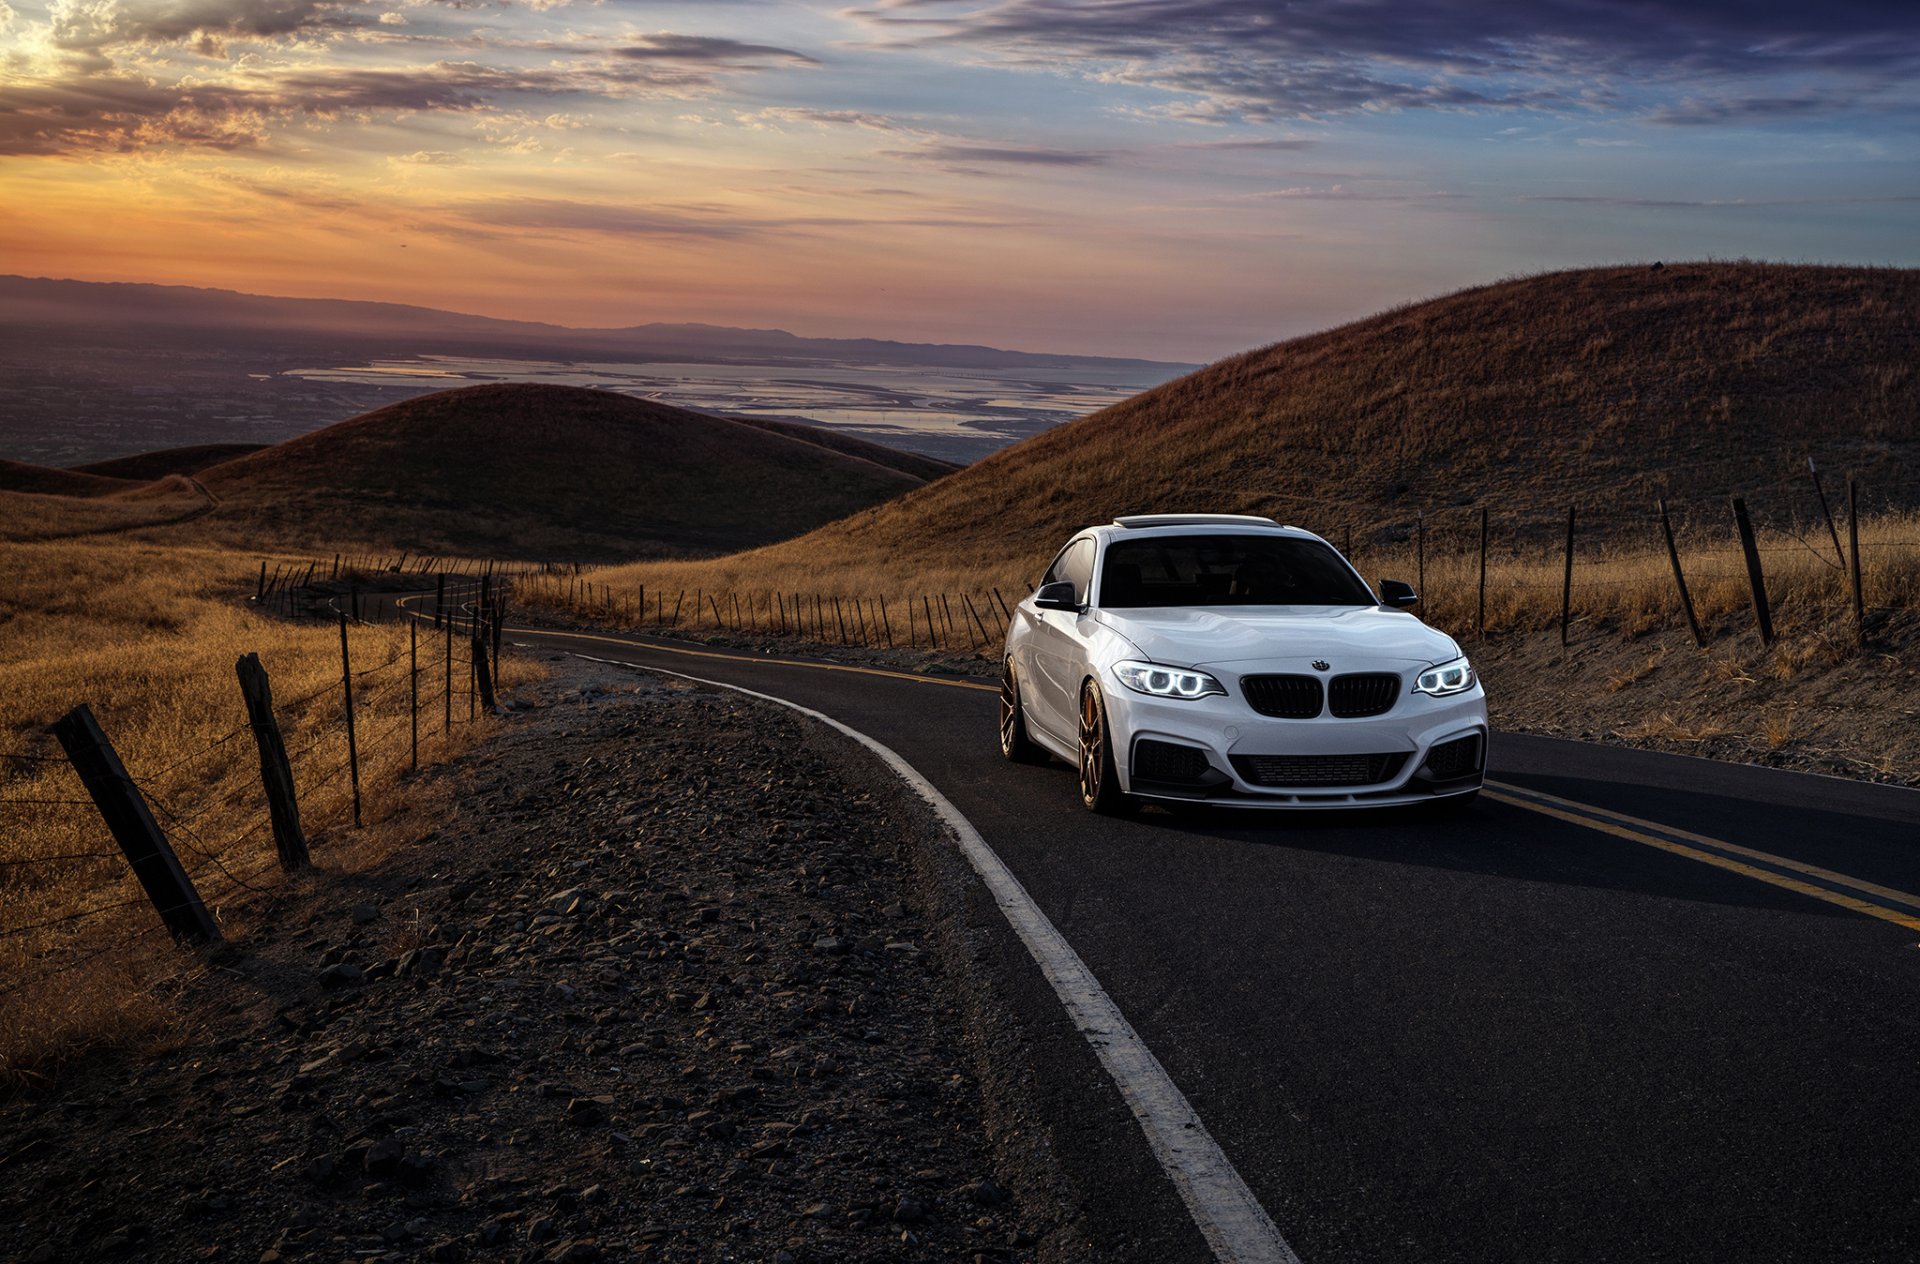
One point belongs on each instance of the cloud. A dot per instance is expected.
(1019, 155)
(204, 25)
(713, 223)
(822, 118)
(429, 158)
(1255, 60)
(712, 51)
(1718, 204)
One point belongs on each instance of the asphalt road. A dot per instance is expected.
(1530, 1033)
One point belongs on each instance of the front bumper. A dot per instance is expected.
(1242, 748)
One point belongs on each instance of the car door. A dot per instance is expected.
(1059, 643)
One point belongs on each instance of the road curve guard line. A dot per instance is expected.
(1854, 894)
(1227, 1214)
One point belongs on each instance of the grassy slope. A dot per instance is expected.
(44, 480)
(145, 466)
(1604, 387)
(543, 472)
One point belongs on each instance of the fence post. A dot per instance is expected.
(886, 624)
(1853, 542)
(482, 677)
(276, 776)
(1480, 621)
(1679, 580)
(1420, 552)
(125, 811)
(353, 744)
(1813, 471)
(1756, 579)
(413, 690)
(260, 588)
(1566, 582)
(446, 662)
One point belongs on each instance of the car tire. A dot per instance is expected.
(1099, 781)
(1015, 745)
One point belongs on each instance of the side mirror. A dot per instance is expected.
(1397, 594)
(1057, 596)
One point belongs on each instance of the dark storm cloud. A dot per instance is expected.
(1263, 59)
(711, 50)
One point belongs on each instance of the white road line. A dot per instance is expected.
(1231, 1219)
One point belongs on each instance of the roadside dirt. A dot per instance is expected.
(1816, 703)
(684, 979)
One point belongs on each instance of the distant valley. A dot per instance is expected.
(91, 372)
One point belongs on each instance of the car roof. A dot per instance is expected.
(1163, 525)
(1137, 522)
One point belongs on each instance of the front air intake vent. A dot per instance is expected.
(1327, 771)
(1284, 697)
(1169, 762)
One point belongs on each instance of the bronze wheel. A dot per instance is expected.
(1099, 785)
(1014, 742)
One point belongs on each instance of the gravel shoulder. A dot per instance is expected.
(684, 977)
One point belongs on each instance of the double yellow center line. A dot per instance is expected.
(1854, 894)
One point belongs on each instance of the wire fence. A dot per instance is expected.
(1479, 569)
(68, 894)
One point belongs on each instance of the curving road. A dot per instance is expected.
(1635, 1007)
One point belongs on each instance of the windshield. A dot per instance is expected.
(1227, 570)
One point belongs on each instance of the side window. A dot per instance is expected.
(1057, 571)
(1078, 567)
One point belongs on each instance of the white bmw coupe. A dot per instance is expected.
(1225, 659)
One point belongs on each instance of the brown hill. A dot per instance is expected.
(1601, 388)
(540, 472)
(45, 480)
(146, 466)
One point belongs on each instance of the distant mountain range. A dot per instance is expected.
(96, 370)
(121, 313)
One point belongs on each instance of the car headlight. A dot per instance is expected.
(1166, 682)
(1447, 678)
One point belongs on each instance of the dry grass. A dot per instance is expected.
(1620, 587)
(1602, 389)
(148, 636)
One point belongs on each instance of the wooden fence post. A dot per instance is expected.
(1853, 541)
(886, 624)
(446, 660)
(276, 775)
(1566, 582)
(260, 588)
(1679, 580)
(1480, 620)
(413, 689)
(353, 741)
(483, 678)
(1420, 553)
(1813, 472)
(125, 811)
(926, 604)
(1756, 579)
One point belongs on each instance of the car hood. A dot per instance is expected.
(1346, 636)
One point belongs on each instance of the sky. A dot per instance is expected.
(1175, 179)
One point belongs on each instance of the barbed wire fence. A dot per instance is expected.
(1827, 556)
(100, 859)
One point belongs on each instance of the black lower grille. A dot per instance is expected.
(1455, 758)
(1165, 761)
(1319, 770)
(1367, 693)
(1286, 697)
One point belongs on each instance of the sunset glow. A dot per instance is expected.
(1169, 178)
